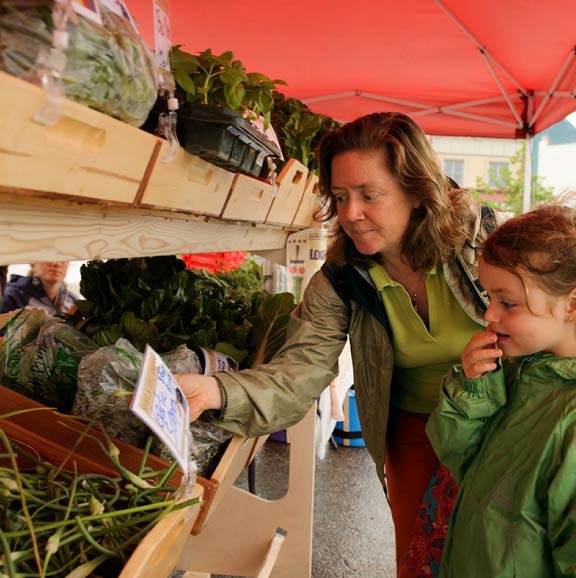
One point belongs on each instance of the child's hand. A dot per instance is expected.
(481, 355)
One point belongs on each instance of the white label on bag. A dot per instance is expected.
(214, 361)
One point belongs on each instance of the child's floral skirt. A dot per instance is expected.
(425, 549)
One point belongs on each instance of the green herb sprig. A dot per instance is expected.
(69, 524)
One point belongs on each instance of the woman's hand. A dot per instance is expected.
(481, 355)
(201, 391)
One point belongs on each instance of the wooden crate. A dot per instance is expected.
(52, 436)
(157, 555)
(48, 435)
(310, 202)
(291, 184)
(84, 154)
(249, 200)
(188, 183)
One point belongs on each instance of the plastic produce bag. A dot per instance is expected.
(209, 442)
(106, 381)
(108, 67)
(40, 355)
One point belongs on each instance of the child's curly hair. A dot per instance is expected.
(541, 242)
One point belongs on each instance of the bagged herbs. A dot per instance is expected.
(106, 380)
(107, 66)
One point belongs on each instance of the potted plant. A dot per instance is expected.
(218, 98)
(221, 80)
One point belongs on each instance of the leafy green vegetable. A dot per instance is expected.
(40, 356)
(269, 327)
(156, 301)
(299, 130)
(222, 80)
(109, 67)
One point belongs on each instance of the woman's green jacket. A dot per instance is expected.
(278, 394)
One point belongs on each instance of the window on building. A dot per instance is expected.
(496, 174)
(454, 168)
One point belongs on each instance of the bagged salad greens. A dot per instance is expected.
(107, 66)
(106, 380)
(39, 357)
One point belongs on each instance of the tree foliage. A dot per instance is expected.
(508, 196)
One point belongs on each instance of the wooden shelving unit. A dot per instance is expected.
(90, 187)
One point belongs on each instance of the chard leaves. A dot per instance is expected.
(155, 300)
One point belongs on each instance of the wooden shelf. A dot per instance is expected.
(35, 231)
(91, 187)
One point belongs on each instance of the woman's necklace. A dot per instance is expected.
(414, 294)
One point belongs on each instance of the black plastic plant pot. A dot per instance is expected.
(224, 138)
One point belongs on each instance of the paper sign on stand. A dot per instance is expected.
(305, 254)
(160, 403)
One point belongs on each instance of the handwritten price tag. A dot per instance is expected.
(160, 403)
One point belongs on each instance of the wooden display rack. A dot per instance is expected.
(229, 532)
(55, 440)
(91, 187)
(237, 535)
(92, 175)
(156, 556)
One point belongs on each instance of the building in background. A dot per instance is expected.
(467, 159)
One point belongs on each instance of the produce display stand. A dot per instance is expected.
(157, 555)
(240, 530)
(90, 187)
(55, 439)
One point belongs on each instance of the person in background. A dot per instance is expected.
(3, 279)
(399, 282)
(506, 428)
(44, 287)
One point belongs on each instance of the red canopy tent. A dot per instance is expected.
(491, 68)
(499, 68)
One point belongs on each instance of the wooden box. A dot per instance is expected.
(309, 204)
(53, 434)
(49, 435)
(188, 183)
(249, 200)
(83, 154)
(158, 553)
(291, 184)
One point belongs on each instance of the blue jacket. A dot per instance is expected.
(27, 291)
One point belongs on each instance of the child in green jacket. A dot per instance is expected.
(507, 428)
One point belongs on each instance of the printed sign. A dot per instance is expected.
(160, 403)
(162, 35)
(305, 254)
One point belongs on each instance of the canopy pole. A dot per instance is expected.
(527, 192)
